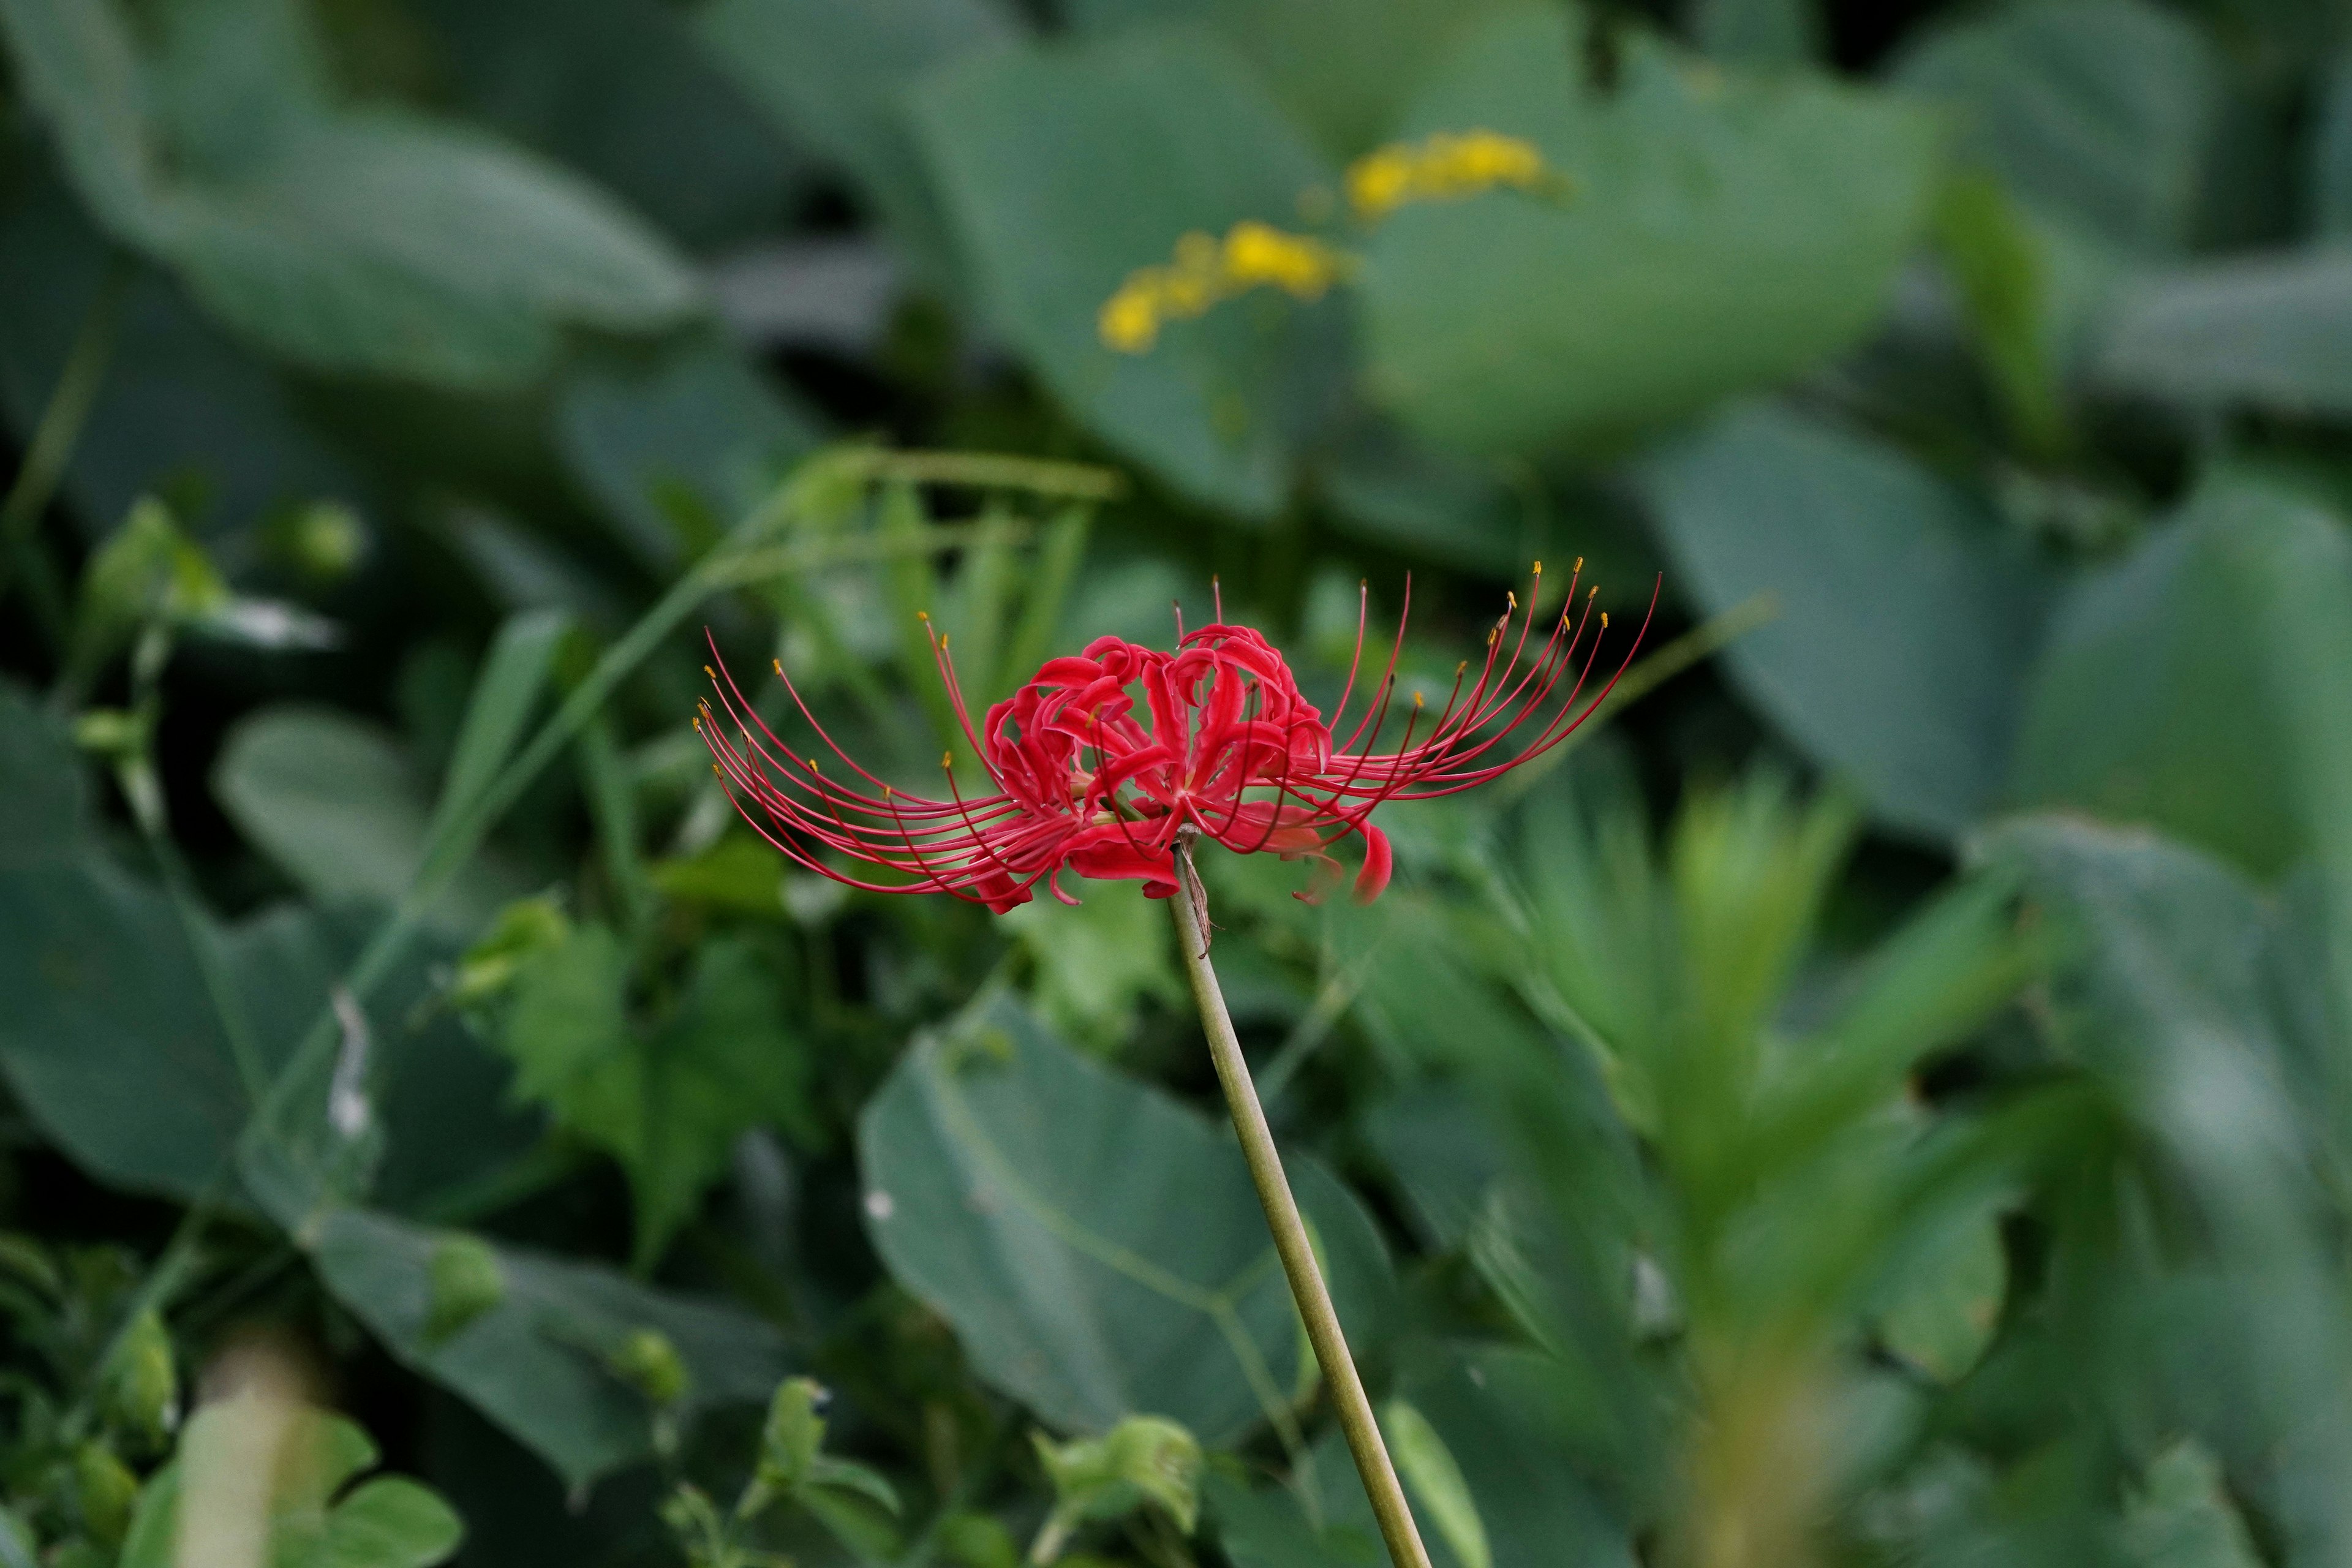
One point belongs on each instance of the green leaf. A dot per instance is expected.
(1718, 234)
(1064, 170)
(2097, 113)
(1098, 1247)
(182, 412)
(1899, 655)
(618, 90)
(1486, 1408)
(689, 446)
(110, 1043)
(668, 1103)
(1943, 1315)
(375, 241)
(2269, 331)
(331, 799)
(835, 72)
(1435, 1481)
(117, 1049)
(43, 794)
(1343, 69)
(506, 691)
(1267, 1529)
(1097, 962)
(2331, 158)
(308, 1455)
(536, 1361)
(1758, 33)
(2028, 288)
(2182, 1517)
(2193, 685)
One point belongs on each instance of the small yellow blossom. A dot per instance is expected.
(1446, 165)
(1205, 271)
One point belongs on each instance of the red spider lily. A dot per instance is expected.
(1102, 759)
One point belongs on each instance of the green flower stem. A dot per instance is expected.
(1307, 1288)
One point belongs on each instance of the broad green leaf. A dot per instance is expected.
(1899, 651)
(376, 241)
(1441, 1153)
(2096, 112)
(1343, 69)
(331, 799)
(676, 455)
(1098, 1247)
(538, 1362)
(44, 793)
(2268, 331)
(1486, 1408)
(1717, 234)
(2189, 684)
(1758, 33)
(305, 1518)
(117, 1049)
(1097, 962)
(618, 90)
(668, 1100)
(181, 411)
(2331, 154)
(1385, 489)
(1065, 169)
(110, 1042)
(1265, 1528)
(835, 73)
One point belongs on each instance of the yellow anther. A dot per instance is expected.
(947, 759)
(1460, 668)
(1580, 563)
(943, 642)
(1513, 600)
(697, 724)
(715, 773)
(1604, 620)
(1539, 568)
(778, 664)
(923, 615)
(1416, 700)
(710, 672)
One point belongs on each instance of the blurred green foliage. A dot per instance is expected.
(1882, 1095)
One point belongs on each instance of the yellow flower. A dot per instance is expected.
(1257, 253)
(1206, 271)
(1129, 320)
(1446, 166)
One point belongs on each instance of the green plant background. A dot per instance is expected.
(1882, 1095)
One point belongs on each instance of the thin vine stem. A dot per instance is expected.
(53, 443)
(1291, 1244)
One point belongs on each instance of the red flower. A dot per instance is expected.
(1099, 763)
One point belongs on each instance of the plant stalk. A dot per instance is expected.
(1282, 1218)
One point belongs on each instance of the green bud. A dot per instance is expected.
(142, 1393)
(1143, 1459)
(326, 540)
(649, 1363)
(795, 1432)
(467, 1283)
(104, 1491)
